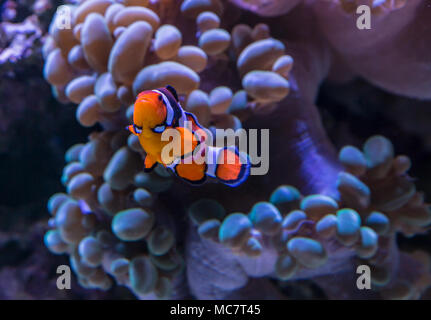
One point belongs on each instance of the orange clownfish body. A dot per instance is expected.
(156, 112)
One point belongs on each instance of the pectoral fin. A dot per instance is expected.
(149, 163)
(132, 130)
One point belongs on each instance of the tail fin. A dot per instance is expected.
(233, 167)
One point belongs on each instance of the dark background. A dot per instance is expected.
(36, 130)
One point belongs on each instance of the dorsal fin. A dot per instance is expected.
(173, 91)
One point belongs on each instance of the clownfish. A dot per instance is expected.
(156, 111)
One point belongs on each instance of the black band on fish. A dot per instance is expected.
(169, 111)
(173, 92)
(176, 106)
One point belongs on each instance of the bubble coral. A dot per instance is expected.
(292, 236)
(120, 224)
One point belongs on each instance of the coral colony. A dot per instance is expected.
(313, 216)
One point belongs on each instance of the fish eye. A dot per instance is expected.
(137, 129)
(159, 129)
